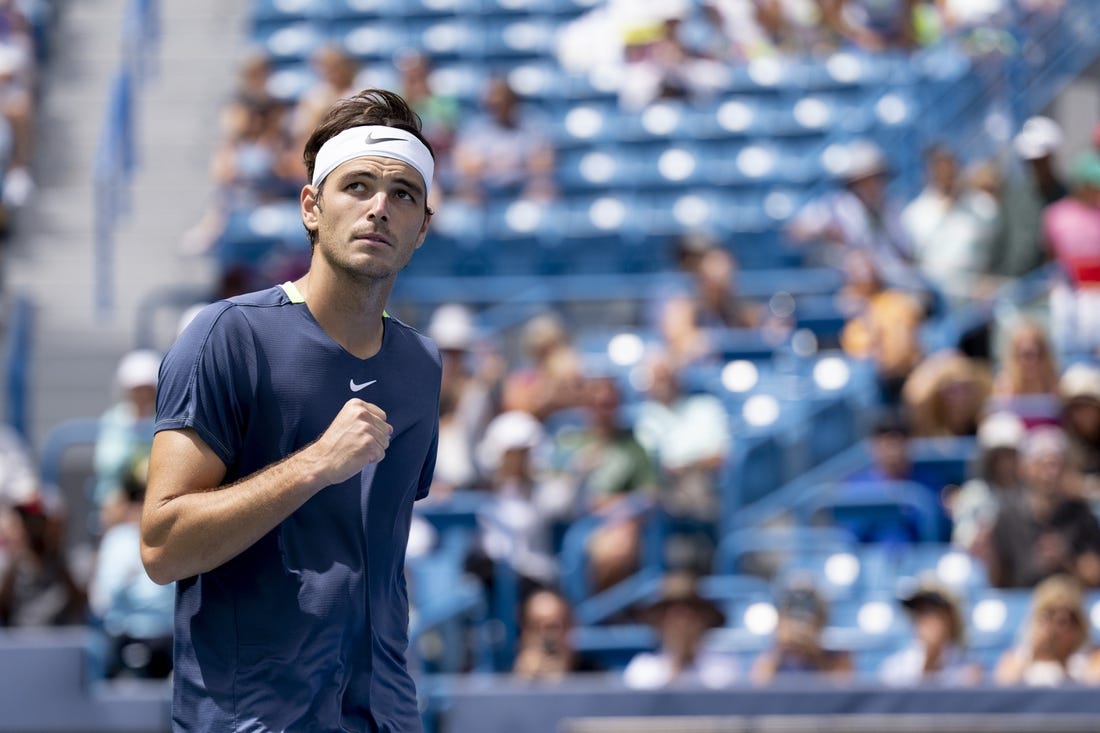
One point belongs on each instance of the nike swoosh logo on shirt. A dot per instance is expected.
(356, 387)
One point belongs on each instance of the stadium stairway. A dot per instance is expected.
(75, 349)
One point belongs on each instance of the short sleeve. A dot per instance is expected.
(428, 469)
(207, 379)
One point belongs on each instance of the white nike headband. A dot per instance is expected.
(374, 141)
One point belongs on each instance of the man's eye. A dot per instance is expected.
(355, 186)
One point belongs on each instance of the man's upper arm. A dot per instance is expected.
(180, 463)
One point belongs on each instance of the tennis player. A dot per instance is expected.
(295, 428)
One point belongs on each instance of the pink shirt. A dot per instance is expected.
(1072, 232)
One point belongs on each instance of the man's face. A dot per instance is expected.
(891, 453)
(943, 172)
(369, 218)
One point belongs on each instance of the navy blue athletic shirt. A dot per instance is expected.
(307, 629)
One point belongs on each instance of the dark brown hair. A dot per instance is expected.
(368, 107)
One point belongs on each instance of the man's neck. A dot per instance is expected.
(348, 311)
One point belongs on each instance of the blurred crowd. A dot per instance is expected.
(553, 438)
(23, 48)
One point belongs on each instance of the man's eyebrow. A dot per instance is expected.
(371, 175)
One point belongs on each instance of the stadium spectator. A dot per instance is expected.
(18, 475)
(513, 529)
(1023, 189)
(688, 437)
(945, 394)
(952, 229)
(1036, 143)
(133, 613)
(798, 647)
(551, 380)
(336, 72)
(1071, 230)
(1079, 388)
(763, 27)
(610, 475)
(883, 324)
(682, 618)
(890, 463)
(37, 586)
(652, 50)
(17, 107)
(255, 165)
(871, 26)
(1054, 650)
(125, 429)
(505, 150)
(252, 92)
(466, 399)
(439, 113)
(1052, 530)
(545, 651)
(937, 654)
(687, 319)
(861, 215)
(996, 482)
(1027, 381)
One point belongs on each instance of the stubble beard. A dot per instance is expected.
(365, 275)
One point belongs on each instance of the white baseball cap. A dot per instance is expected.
(508, 431)
(1001, 430)
(1080, 381)
(138, 369)
(452, 327)
(1038, 138)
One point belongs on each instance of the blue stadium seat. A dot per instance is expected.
(448, 38)
(766, 551)
(266, 13)
(291, 81)
(731, 116)
(586, 126)
(900, 510)
(661, 121)
(403, 9)
(562, 8)
(612, 647)
(960, 571)
(254, 233)
(664, 166)
(517, 39)
(376, 41)
(995, 621)
(594, 169)
(293, 42)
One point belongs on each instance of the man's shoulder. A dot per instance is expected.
(412, 339)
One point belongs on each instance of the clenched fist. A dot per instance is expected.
(359, 435)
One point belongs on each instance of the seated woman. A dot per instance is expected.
(936, 654)
(682, 618)
(1027, 381)
(1054, 650)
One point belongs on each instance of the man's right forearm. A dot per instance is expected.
(190, 532)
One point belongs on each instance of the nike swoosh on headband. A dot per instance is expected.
(371, 139)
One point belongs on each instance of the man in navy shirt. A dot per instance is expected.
(295, 428)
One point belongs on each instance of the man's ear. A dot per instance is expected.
(310, 200)
(423, 229)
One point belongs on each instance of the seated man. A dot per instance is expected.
(891, 463)
(798, 646)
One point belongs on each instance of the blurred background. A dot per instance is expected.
(771, 340)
